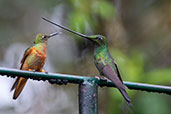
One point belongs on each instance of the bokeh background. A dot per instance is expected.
(139, 37)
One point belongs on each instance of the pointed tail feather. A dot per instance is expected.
(15, 84)
(19, 86)
(125, 95)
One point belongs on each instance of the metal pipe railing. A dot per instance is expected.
(65, 78)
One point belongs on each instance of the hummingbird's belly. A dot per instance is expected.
(35, 62)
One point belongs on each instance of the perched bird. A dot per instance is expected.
(33, 60)
(102, 59)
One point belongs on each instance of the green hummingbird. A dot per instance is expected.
(103, 60)
(33, 60)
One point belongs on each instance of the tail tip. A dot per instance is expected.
(129, 103)
(14, 97)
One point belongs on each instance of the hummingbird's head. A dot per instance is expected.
(98, 39)
(41, 38)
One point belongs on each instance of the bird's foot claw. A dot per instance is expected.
(30, 70)
(98, 77)
(106, 79)
(44, 71)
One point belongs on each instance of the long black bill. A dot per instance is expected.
(65, 28)
(54, 34)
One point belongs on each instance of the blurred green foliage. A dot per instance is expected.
(149, 103)
(85, 13)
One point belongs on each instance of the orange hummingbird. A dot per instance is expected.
(33, 60)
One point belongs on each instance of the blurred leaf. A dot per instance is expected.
(161, 76)
(104, 8)
(78, 21)
(148, 103)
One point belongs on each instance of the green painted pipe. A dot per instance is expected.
(64, 79)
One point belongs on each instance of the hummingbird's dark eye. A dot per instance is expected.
(99, 38)
(44, 36)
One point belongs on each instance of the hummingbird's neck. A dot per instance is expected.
(101, 49)
(41, 47)
(44, 44)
